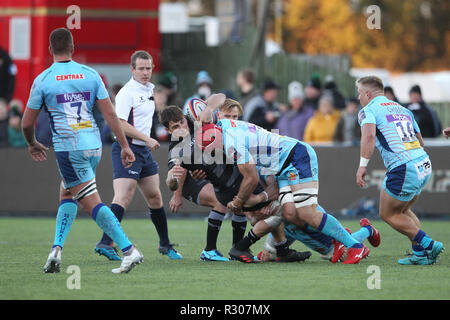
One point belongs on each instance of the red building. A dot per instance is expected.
(106, 33)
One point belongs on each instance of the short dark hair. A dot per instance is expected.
(249, 75)
(61, 41)
(141, 54)
(170, 113)
(415, 88)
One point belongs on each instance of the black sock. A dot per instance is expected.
(159, 219)
(247, 241)
(118, 212)
(282, 248)
(239, 225)
(214, 223)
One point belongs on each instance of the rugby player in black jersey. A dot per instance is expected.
(220, 185)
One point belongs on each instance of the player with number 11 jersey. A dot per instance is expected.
(396, 131)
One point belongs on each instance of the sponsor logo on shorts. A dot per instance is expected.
(82, 172)
(292, 176)
(133, 172)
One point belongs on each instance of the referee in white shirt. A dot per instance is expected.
(135, 107)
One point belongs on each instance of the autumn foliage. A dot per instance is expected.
(414, 34)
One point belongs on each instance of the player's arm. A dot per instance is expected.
(132, 132)
(36, 149)
(368, 132)
(419, 137)
(175, 181)
(249, 182)
(213, 102)
(107, 110)
(175, 177)
(270, 192)
(416, 129)
(271, 188)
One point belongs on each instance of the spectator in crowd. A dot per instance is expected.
(389, 93)
(245, 81)
(170, 83)
(3, 123)
(293, 122)
(331, 88)
(105, 132)
(263, 109)
(15, 135)
(322, 125)
(424, 114)
(313, 90)
(348, 129)
(204, 88)
(8, 71)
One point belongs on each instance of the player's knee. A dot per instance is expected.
(289, 212)
(122, 200)
(155, 199)
(217, 206)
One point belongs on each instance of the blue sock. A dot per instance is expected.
(314, 239)
(423, 240)
(333, 228)
(118, 212)
(108, 222)
(159, 219)
(418, 250)
(67, 213)
(362, 234)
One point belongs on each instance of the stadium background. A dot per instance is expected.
(110, 31)
(223, 37)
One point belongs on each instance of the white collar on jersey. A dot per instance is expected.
(148, 86)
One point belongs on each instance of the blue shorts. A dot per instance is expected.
(77, 167)
(144, 166)
(407, 180)
(303, 167)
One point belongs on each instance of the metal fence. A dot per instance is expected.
(186, 54)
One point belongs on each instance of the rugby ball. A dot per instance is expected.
(194, 107)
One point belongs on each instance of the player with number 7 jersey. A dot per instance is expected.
(67, 91)
(70, 92)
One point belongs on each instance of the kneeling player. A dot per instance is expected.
(283, 234)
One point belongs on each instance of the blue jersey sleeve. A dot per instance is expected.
(365, 116)
(36, 99)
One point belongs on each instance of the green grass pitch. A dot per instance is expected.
(26, 242)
